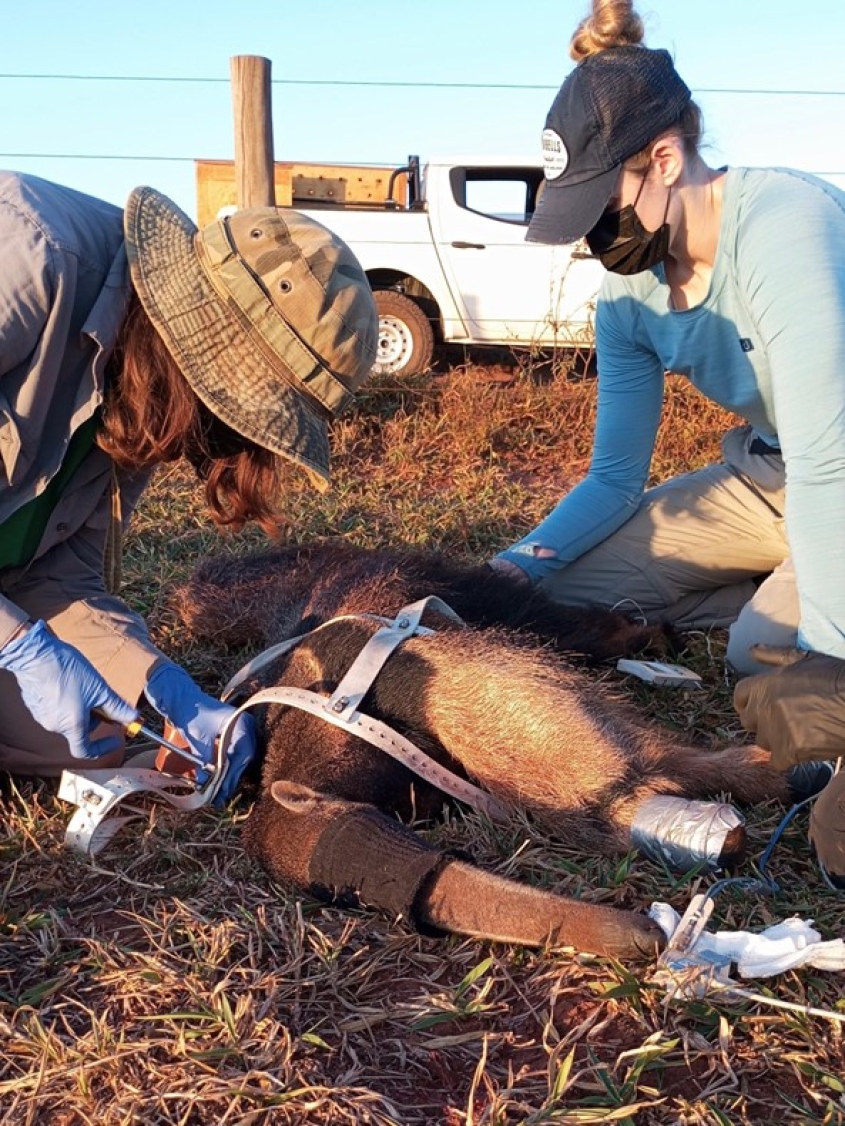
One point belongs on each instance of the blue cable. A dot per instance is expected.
(764, 882)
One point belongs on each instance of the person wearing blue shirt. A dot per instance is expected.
(735, 279)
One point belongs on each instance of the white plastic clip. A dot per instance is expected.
(661, 673)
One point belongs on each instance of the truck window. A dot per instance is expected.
(505, 194)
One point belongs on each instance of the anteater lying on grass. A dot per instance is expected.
(506, 708)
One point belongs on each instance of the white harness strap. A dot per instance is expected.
(405, 624)
(265, 657)
(386, 739)
(98, 792)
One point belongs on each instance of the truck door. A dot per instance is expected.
(508, 290)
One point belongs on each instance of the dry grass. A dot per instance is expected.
(170, 982)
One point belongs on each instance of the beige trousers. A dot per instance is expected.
(25, 746)
(65, 588)
(704, 549)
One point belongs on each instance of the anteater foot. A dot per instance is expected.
(688, 834)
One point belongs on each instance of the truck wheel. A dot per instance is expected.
(405, 336)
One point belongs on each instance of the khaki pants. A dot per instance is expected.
(696, 552)
(65, 585)
(27, 749)
(827, 828)
(25, 746)
(65, 589)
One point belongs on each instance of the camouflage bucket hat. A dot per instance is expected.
(267, 313)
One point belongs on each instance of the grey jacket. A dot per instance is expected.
(64, 285)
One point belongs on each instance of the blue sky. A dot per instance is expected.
(720, 47)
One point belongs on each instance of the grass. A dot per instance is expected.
(169, 981)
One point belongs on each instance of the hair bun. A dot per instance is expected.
(612, 23)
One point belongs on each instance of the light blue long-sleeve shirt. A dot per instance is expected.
(768, 343)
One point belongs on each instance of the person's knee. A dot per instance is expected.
(769, 618)
(754, 627)
(738, 653)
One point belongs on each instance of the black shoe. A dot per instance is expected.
(809, 778)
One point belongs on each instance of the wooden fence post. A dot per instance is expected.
(251, 97)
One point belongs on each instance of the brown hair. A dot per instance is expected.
(614, 23)
(151, 416)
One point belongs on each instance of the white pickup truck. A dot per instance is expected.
(451, 265)
(444, 248)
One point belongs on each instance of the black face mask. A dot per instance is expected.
(623, 245)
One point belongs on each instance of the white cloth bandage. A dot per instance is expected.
(783, 946)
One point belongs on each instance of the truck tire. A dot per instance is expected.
(405, 335)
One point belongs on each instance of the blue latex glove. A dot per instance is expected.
(200, 719)
(61, 689)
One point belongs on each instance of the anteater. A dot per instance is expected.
(501, 699)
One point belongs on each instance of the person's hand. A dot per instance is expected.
(200, 719)
(797, 711)
(61, 689)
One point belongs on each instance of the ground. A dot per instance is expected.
(169, 981)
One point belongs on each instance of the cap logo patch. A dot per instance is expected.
(555, 155)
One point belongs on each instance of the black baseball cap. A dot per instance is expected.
(612, 104)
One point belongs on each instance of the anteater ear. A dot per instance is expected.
(298, 799)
